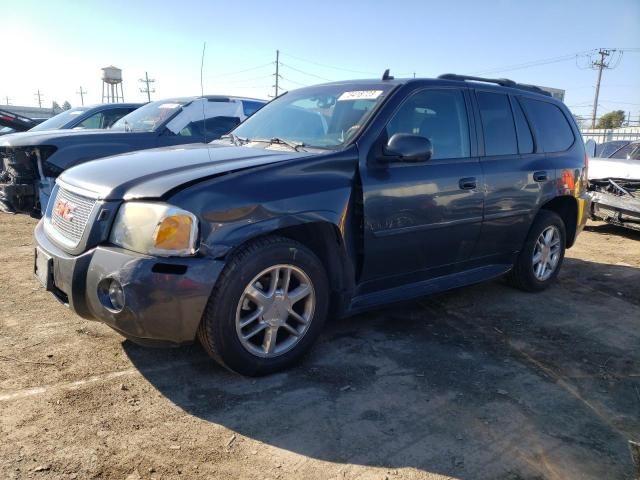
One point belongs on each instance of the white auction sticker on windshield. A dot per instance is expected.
(169, 105)
(360, 95)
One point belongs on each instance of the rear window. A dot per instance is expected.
(497, 124)
(552, 128)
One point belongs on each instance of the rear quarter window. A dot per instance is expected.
(553, 131)
(497, 124)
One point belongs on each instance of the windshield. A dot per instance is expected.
(149, 117)
(327, 116)
(61, 119)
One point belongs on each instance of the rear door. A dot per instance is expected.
(516, 175)
(423, 218)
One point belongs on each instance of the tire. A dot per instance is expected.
(524, 274)
(232, 301)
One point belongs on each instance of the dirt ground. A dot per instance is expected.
(481, 383)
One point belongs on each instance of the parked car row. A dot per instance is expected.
(33, 160)
(329, 200)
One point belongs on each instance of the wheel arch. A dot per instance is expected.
(325, 239)
(566, 206)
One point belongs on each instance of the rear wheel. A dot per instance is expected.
(267, 308)
(541, 257)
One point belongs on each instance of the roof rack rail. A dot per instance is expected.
(504, 82)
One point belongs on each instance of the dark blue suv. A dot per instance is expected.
(330, 200)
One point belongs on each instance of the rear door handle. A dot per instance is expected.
(540, 176)
(468, 183)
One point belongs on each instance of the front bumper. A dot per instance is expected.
(623, 211)
(164, 297)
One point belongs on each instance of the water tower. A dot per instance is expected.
(111, 79)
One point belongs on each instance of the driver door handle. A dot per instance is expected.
(468, 183)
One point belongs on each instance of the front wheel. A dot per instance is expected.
(540, 259)
(267, 308)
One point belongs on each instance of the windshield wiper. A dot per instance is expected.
(235, 139)
(279, 141)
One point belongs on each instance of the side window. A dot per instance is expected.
(213, 127)
(552, 127)
(94, 121)
(113, 115)
(250, 107)
(497, 124)
(624, 152)
(525, 139)
(440, 116)
(218, 126)
(628, 152)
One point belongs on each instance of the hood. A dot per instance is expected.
(53, 137)
(603, 168)
(152, 173)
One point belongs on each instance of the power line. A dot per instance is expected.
(333, 67)
(532, 63)
(287, 79)
(269, 75)
(228, 74)
(306, 73)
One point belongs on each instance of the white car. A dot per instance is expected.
(615, 187)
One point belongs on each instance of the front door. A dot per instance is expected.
(421, 219)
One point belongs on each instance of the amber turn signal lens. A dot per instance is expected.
(174, 233)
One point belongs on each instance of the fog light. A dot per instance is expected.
(116, 295)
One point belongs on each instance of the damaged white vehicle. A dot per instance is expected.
(614, 185)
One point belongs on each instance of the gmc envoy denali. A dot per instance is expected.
(329, 200)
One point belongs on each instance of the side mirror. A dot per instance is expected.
(409, 148)
(590, 147)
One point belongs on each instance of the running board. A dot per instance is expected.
(427, 287)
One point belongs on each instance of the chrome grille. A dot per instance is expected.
(71, 223)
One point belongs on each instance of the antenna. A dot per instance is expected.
(204, 119)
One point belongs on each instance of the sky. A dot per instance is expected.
(59, 46)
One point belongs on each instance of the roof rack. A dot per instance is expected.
(504, 82)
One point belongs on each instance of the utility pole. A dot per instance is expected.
(81, 93)
(277, 74)
(6, 100)
(39, 95)
(599, 65)
(146, 80)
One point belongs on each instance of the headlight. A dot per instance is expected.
(155, 229)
